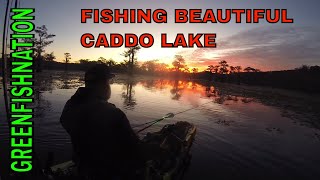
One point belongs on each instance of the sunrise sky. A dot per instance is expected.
(264, 46)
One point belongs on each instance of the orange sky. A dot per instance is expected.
(263, 46)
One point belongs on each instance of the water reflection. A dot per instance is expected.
(176, 90)
(240, 129)
(41, 105)
(293, 108)
(128, 93)
(69, 80)
(66, 81)
(302, 111)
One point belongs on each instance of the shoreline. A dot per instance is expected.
(247, 87)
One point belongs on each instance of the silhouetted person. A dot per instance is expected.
(103, 141)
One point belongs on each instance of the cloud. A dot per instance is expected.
(266, 48)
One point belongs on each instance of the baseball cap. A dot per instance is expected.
(98, 72)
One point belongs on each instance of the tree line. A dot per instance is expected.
(130, 64)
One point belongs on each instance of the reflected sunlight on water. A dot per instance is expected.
(241, 132)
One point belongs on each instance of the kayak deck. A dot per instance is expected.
(175, 139)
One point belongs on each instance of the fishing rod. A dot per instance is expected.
(3, 63)
(169, 115)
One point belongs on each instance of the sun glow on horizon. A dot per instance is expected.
(163, 55)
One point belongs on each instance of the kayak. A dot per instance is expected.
(174, 139)
(177, 140)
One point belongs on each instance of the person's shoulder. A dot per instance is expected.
(109, 107)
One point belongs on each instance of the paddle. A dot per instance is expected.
(169, 115)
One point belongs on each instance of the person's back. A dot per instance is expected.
(101, 135)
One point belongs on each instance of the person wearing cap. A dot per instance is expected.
(104, 143)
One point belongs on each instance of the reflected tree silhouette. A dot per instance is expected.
(176, 91)
(128, 95)
(155, 84)
(150, 84)
(41, 105)
(193, 85)
(65, 79)
(230, 95)
(68, 80)
(161, 84)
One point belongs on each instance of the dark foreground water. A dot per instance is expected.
(243, 132)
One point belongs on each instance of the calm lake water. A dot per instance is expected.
(243, 132)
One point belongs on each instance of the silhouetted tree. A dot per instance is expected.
(186, 69)
(213, 69)
(179, 63)
(149, 66)
(130, 53)
(238, 69)
(42, 40)
(249, 69)
(161, 67)
(102, 60)
(232, 69)
(210, 68)
(84, 61)
(303, 68)
(314, 68)
(49, 57)
(216, 69)
(111, 62)
(223, 67)
(67, 59)
(195, 70)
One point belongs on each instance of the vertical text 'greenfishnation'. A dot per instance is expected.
(21, 88)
